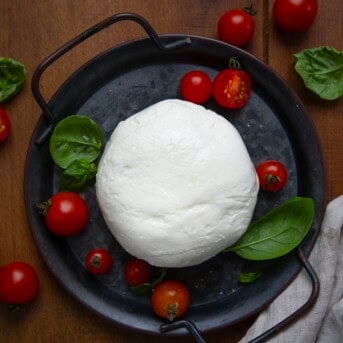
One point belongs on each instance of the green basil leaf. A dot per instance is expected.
(278, 232)
(77, 176)
(248, 277)
(75, 137)
(322, 71)
(12, 78)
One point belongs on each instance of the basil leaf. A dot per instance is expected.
(248, 277)
(12, 78)
(77, 175)
(278, 232)
(75, 137)
(322, 71)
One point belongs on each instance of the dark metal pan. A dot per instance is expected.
(118, 83)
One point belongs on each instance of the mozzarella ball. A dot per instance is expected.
(176, 184)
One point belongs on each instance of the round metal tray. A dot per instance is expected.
(115, 85)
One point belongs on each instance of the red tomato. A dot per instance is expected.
(272, 175)
(170, 299)
(98, 261)
(137, 272)
(294, 15)
(19, 283)
(67, 214)
(196, 86)
(236, 27)
(5, 125)
(231, 88)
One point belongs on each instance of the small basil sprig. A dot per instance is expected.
(74, 144)
(278, 232)
(249, 277)
(12, 78)
(322, 71)
(77, 176)
(149, 286)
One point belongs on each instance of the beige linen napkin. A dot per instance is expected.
(323, 323)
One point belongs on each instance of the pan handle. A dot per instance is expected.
(83, 36)
(277, 327)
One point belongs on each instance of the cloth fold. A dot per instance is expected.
(323, 323)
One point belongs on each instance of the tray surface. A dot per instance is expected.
(123, 81)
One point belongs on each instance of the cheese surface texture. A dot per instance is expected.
(176, 184)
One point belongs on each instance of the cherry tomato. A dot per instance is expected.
(231, 88)
(5, 125)
(170, 299)
(98, 261)
(272, 175)
(19, 283)
(196, 86)
(67, 214)
(137, 272)
(294, 15)
(236, 27)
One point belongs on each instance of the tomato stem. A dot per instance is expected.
(271, 179)
(96, 262)
(250, 10)
(234, 63)
(43, 207)
(15, 308)
(171, 312)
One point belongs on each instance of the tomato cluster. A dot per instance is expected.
(230, 88)
(66, 214)
(170, 299)
(237, 26)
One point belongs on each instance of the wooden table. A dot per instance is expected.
(29, 31)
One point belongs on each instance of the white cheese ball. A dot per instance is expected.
(176, 184)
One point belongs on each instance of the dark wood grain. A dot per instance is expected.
(326, 115)
(29, 31)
